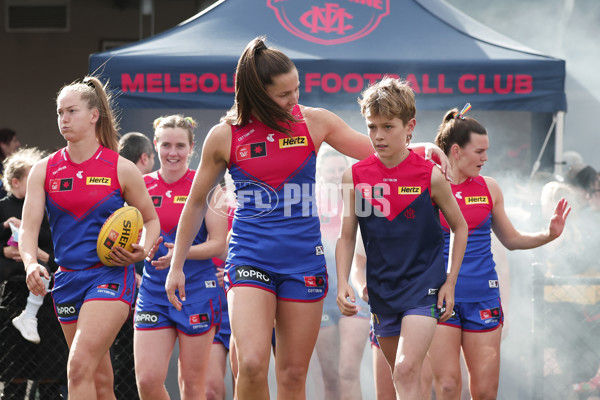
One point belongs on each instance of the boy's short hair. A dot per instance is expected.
(390, 98)
(18, 164)
(133, 144)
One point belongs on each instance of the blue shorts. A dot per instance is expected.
(308, 286)
(223, 335)
(384, 325)
(73, 288)
(194, 319)
(478, 316)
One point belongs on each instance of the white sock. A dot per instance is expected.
(35, 302)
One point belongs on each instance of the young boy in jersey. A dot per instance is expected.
(395, 196)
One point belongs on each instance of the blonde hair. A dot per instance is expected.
(175, 121)
(389, 98)
(18, 164)
(94, 93)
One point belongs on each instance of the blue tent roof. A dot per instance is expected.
(339, 46)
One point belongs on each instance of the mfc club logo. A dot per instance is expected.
(329, 22)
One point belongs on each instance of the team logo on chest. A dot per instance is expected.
(253, 150)
(157, 201)
(61, 185)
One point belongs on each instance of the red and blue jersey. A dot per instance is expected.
(79, 199)
(276, 224)
(168, 200)
(401, 232)
(477, 279)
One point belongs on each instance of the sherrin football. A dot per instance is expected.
(122, 228)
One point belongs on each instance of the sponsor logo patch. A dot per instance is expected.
(319, 250)
(409, 189)
(314, 281)
(210, 284)
(179, 199)
(61, 185)
(198, 319)
(476, 200)
(431, 292)
(494, 284)
(146, 317)
(66, 310)
(293, 142)
(253, 274)
(111, 239)
(110, 286)
(489, 313)
(97, 180)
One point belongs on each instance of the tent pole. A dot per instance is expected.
(536, 164)
(558, 143)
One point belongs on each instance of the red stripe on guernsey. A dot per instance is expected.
(257, 150)
(475, 202)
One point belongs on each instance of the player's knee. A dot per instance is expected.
(253, 369)
(406, 372)
(214, 391)
(78, 371)
(484, 392)
(292, 376)
(449, 385)
(349, 372)
(104, 384)
(148, 382)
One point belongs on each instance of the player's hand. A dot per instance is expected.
(154, 248)
(446, 301)
(34, 280)
(138, 280)
(558, 220)
(221, 276)
(364, 294)
(436, 155)
(175, 282)
(12, 220)
(122, 257)
(12, 253)
(346, 299)
(164, 262)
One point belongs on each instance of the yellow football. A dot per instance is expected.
(122, 228)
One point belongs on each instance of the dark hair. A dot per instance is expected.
(6, 135)
(457, 130)
(94, 93)
(257, 67)
(583, 177)
(133, 144)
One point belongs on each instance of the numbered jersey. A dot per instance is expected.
(79, 198)
(276, 225)
(168, 200)
(401, 232)
(477, 278)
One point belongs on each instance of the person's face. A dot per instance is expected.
(471, 158)
(174, 149)
(389, 136)
(333, 168)
(74, 115)
(285, 90)
(10, 147)
(19, 186)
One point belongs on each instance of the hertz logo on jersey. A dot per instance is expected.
(409, 190)
(476, 200)
(179, 199)
(97, 180)
(293, 142)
